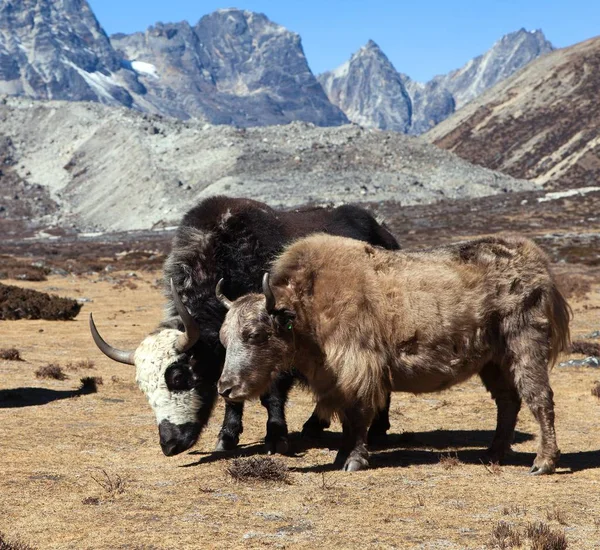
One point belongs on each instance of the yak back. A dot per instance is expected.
(237, 239)
(374, 305)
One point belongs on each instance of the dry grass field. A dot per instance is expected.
(86, 471)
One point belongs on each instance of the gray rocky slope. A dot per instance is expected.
(110, 168)
(233, 67)
(56, 49)
(371, 92)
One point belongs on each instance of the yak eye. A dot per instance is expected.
(178, 379)
(258, 337)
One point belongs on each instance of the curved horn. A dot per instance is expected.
(220, 296)
(115, 354)
(192, 328)
(270, 297)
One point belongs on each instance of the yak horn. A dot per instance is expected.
(192, 329)
(115, 354)
(220, 296)
(270, 297)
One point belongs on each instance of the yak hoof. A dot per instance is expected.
(280, 446)
(545, 469)
(226, 444)
(355, 464)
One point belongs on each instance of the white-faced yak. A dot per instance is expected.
(179, 364)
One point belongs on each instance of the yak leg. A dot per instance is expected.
(276, 440)
(530, 373)
(508, 404)
(229, 436)
(315, 425)
(353, 454)
(380, 424)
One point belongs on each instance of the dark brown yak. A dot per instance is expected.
(359, 322)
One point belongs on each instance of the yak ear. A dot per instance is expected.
(284, 319)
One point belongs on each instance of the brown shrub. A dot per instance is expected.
(83, 364)
(596, 390)
(10, 354)
(585, 348)
(258, 469)
(111, 484)
(10, 268)
(6, 544)
(449, 461)
(505, 536)
(542, 537)
(23, 303)
(51, 371)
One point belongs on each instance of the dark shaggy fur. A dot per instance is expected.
(236, 239)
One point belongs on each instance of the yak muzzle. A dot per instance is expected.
(175, 439)
(230, 390)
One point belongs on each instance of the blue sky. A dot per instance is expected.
(421, 38)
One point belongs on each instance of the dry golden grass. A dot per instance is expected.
(409, 499)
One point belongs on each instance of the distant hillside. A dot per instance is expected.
(103, 167)
(542, 124)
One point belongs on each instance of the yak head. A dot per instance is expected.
(165, 373)
(259, 339)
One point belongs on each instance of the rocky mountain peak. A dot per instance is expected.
(232, 67)
(369, 71)
(369, 90)
(56, 49)
(509, 54)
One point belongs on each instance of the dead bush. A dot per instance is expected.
(11, 268)
(12, 544)
(10, 354)
(83, 364)
(52, 370)
(258, 469)
(585, 348)
(112, 485)
(542, 537)
(596, 389)
(23, 303)
(505, 536)
(449, 461)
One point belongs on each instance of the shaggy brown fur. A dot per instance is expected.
(359, 321)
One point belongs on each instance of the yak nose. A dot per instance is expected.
(169, 448)
(225, 387)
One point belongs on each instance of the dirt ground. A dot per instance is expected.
(427, 488)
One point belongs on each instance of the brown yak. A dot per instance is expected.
(359, 321)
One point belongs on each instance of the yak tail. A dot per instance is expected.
(559, 313)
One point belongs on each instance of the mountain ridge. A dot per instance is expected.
(540, 124)
(427, 102)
